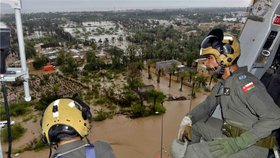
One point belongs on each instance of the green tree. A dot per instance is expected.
(116, 56)
(158, 75)
(192, 75)
(137, 110)
(149, 63)
(172, 70)
(60, 58)
(66, 62)
(106, 42)
(39, 62)
(90, 56)
(93, 45)
(156, 96)
(45, 100)
(183, 75)
(201, 80)
(131, 52)
(93, 63)
(134, 75)
(189, 58)
(29, 49)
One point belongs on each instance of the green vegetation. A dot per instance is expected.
(137, 110)
(154, 100)
(101, 100)
(17, 131)
(160, 108)
(16, 109)
(66, 62)
(110, 83)
(45, 101)
(148, 37)
(33, 145)
(29, 49)
(18, 82)
(39, 62)
(101, 115)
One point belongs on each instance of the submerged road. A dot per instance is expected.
(140, 138)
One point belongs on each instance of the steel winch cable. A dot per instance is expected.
(4, 91)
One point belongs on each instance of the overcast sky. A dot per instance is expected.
(105, 5)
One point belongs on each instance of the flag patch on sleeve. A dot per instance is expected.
(248, 87)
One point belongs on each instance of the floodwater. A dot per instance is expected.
(141, 138)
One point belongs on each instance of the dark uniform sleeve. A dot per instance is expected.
(202, 110)
(254, 95)
(274, 88)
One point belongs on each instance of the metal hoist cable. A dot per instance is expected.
(4, 91)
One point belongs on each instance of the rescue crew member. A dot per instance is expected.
(249, 114)
(65, 123)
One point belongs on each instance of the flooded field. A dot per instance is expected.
(137, 138)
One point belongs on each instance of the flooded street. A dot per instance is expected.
(141, 138)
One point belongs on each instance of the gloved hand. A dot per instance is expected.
(185, 129)
(224, 147)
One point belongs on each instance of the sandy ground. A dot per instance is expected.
(137, 138)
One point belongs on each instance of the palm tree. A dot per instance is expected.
(183, 75)
(106, 42)
(193, 87)
(192, 75)
(131, 52)
(156, 95)
(197, 82)
(149, 63)
(116, 56)
(201, 80)
(172, 69)
(158, 75)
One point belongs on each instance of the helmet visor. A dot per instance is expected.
(210, 41)
(227, 49)
(211, 45)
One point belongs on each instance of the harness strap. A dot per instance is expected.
(90, 152)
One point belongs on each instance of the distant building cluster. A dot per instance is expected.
(52, 52)
(106, 34)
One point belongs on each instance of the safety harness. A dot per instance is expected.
(232, 131)
(90, 151)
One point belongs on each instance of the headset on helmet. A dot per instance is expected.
(224, 47)
(65, 116)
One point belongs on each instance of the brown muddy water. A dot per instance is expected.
(138, 138)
